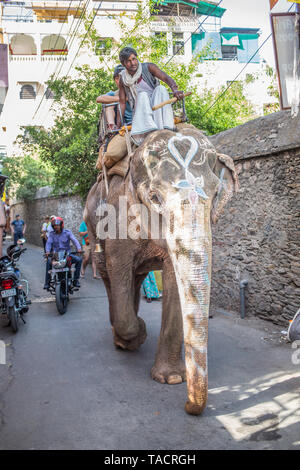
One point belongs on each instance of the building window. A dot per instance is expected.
(22, 44)
(27, 92)
(229, 52)
(104, 46)
(54, 45)
(49, 95)
(178, 44)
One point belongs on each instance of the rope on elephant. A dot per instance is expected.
(128, 142)
(104, 168)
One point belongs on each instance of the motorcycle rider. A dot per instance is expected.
(59, 240)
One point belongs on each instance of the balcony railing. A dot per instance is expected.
(23, 58)
(37, 58)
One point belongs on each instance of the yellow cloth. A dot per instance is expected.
(158, 279)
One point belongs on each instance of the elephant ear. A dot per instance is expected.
(228, 184)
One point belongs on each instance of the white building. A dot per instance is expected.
(41, 38)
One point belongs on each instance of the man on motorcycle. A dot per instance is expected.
(59, 240)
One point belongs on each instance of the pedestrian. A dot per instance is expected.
(18, 228)
(150, 286)
(50, 226)
(44, 231)
(83, 232)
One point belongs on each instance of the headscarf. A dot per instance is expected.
(131, 80)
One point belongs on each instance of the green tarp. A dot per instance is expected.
(203, 8)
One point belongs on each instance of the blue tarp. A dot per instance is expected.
(199, 41)
(244, 52)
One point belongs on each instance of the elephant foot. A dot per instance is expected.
(133, 343)
(193, 409)
(169, 373)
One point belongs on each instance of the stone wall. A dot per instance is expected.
(258, 236)
(33, 212)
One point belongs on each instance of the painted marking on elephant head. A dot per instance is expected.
(195, 185)
(183, 161)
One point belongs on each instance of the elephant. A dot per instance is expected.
(179, 179)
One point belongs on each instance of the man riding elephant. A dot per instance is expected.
(139, 84)
(112, 97)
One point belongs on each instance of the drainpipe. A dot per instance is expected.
(243, 285)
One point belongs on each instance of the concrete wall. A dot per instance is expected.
(33, 212)
(258, 236)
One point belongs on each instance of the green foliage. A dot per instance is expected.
(70, 146)
(273, 91)
(231, 110)
(26, 175)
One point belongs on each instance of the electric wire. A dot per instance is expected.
(73, 34)
(100, 3)
(44, 94)
(51, 107)
(193, 32)
(69, 44)
(232, 81)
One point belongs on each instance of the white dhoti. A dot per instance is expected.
(145, 120)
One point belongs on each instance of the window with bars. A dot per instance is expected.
(27, 92)
(49, 95)
(104, 46)
(229, 52)
(178, 44)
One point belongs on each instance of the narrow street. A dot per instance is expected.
(65, 386)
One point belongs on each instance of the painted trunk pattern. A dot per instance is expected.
(190, 251)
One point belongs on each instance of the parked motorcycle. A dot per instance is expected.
(62, 278)
(13, 289)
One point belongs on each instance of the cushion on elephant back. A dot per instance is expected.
(120, 168)
(116, 150)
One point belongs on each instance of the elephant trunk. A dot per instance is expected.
(190, 250)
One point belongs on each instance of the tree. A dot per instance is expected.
(26, 175)
(70, 146)
(213, 112)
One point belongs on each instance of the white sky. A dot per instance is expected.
(254, 14)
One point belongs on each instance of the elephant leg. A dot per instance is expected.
(138, 283)
(129, 330)
(169, 366)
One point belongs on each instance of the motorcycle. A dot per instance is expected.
(61, 280)
(13, 294)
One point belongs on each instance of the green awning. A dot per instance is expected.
(205, 8)
(202, 8)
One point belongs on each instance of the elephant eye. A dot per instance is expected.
(154, 198)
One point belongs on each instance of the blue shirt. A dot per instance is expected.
(61, 241)
(128, 110)
(18, 225)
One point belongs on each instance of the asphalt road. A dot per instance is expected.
(65, 386)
